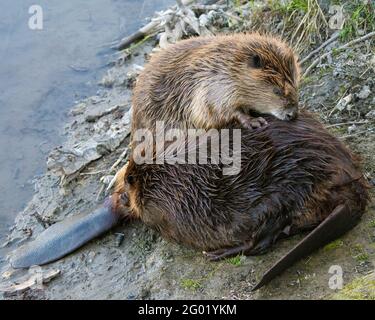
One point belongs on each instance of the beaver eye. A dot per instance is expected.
(130, 179)
(277, 91)
(255, 62)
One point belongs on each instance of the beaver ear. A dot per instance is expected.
(255, 61)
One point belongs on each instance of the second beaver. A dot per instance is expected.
(206, 82)
(293, 178)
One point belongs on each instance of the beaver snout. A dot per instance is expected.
(291, 113)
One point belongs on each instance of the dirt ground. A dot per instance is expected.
(340, 90)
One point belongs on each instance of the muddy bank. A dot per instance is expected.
(340, 90)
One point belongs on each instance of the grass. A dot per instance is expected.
(359, 253)
(359, 289)
(190, 284)
(236, 261)
(334, 245)
(303, 21)
(359, 16)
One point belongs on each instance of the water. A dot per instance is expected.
(42, 73)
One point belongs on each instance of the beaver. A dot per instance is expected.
(294, 177)
(207, 82)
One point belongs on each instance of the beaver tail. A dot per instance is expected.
(66, 236)
(341, 220)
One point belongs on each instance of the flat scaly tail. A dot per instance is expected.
(66, 236)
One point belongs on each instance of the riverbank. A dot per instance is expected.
(339, 89)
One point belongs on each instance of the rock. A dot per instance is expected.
(352, 128)
(364, 93)
(119, 239)
(105, 137)
(98, 112)
(37, 277)
(64, 162)
(344, 102)
(80, 108)
(371, 114)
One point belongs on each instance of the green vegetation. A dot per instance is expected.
(359, 289)
(190, 284)
(372, 223)
(359, 16)
(359, 253)
(236, 261)
(334, 245)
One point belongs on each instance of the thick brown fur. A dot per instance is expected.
(293, 175)
(206, 82)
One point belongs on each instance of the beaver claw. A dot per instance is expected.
(228, 252)
(250, 122)
(256, 123)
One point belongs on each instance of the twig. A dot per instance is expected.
(141, 33)
(148, 29)
(324, 44)
(354, 134)
(346, 123)
(232, 16)
(355, 41)
(92, 173)
(113, 167)
(122, 157)
(203, 7)
(112, 182)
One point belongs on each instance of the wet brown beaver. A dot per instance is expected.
(206, 82)
(294, 177)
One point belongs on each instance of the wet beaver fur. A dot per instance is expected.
(293, 175)
(207, 82)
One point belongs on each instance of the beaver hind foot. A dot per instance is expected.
(219, 254)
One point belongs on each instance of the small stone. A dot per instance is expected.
(119, 239)
(343, 103)
(364, 93)
(78, 109)
(371, 114)
(352, 128)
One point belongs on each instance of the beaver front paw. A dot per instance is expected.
(249, 122)
(255, 123)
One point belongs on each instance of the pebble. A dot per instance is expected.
(364, 93)
(371, 114)
(343, 103)
(119, 238)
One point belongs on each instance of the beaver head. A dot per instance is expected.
(266, 75)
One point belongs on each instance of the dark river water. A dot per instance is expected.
(43, 72)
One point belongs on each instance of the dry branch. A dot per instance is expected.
(355, 41)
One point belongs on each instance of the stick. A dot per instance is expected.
(345, 123)
(149, 28)
(355, 41)
(355, 134)
(122, 156)
(203, 7)
(326, 43)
